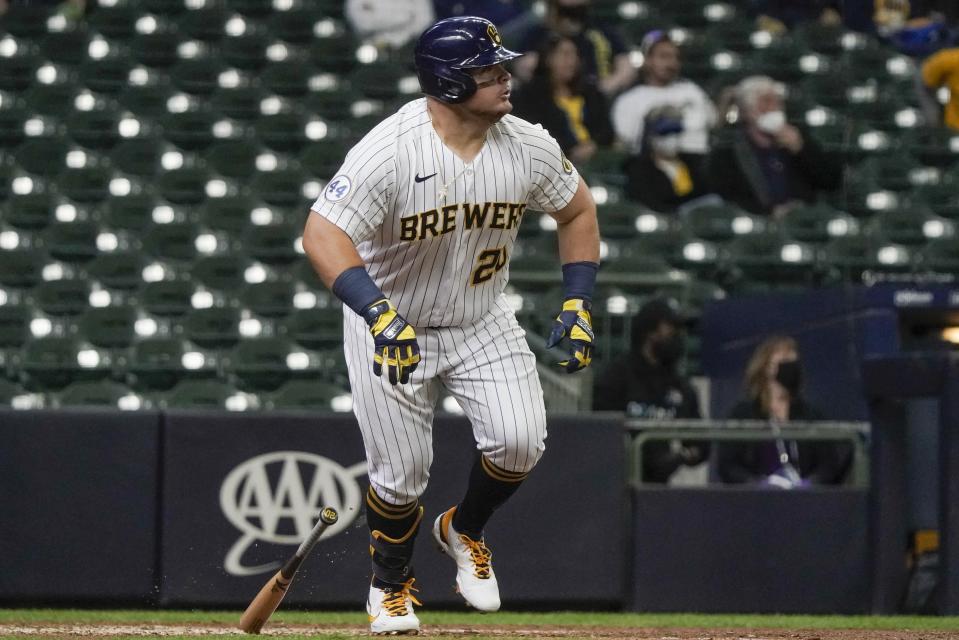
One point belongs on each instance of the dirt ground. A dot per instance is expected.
(447, 631)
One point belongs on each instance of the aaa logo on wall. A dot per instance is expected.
(277, 497)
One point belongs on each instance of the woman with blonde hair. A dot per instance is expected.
(773, 384)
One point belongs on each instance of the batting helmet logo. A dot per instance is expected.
(447, 50)
(277, 497)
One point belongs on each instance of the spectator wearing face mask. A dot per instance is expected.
(646, 383)
(662, 84)
(773, 384)
(662, 176)
(602, 51)
(769, 166)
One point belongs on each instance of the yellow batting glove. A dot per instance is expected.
(576, 323)
(394, 341)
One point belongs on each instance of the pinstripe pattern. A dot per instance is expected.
(447, 278)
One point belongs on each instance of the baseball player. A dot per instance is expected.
(414, 235)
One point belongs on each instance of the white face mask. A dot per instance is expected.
(771, 121)
(667, 146)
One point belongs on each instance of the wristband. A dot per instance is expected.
(579, 279)
(356, 289)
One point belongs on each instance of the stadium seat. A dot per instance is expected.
(66, 47)
(780, 60)
(14, 324)
(234, 158)
(263, 364)
(176, 241)
(240, 103)
(120, 270)
(138, 156)
(213, 328)
(941, 197)
(146, 101)
(55, 99)
(892, 171)
(86, 185)
(200, 394)
(315, 328)
(12, 120)
(21, 267)
(30, 211)
(208, 23)
(111, 327)
(322, 158)
(43, 156)
(940, 256)
(270, 299)
(53, 363)
(825, 39)
(191, 130)
(336, 52)
(160, 363)
(288, 80)
(118, 21)
(197, 76)
(818, 223)
(850, 256)
(95, 129)
(283, 131)
(246, 52)
(306, 395)
(167, 297)
(272, 244)
(294, 26)
(157, 49)
(185, 186)
(907, 225)
(379, 81)
(767, 258)
(721, 222)
(26, 20)
(67, 297)
(102, 393)
(224, 272)
(108, 75)
(8, 391)
(71, 241)
(17, 72)
(936, 146)
(231, 214)
(283, 188)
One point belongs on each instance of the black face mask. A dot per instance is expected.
(575, 13)
(789, 375)
(668, 351)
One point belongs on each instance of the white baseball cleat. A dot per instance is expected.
(475, 580)
(391, 610)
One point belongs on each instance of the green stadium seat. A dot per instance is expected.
(102, 393)
(167, 297)
(43, 156)
(14, 324)
(12, 120)
(307, 395)
(111, 327)
(172, 8)
(315, 328)
(71, 241)
(769, 259)
(115, 22)
(322, 158)
(940, 255)
(185, 186)
(379, 80)
(282, 188)
(334, 104)
(284, 132)
(255, 8)
(160, 363)
(294, 26)
(818, 223)
(191, 130)
(157, 49)
(908, 225)
(17, 72)
(54, 99)
(53, 363)
(66, 47)
(108, 75)
(8, 391)
(197, 76)
(95, 129)
(780, 60)
(86, 185)
(230, 214)
(119, 270)
(213, 328)
(941, 197)
(146, 101)
(849, 256)
(239, 103)
(246, 52)
(269, 299)
(21, 267)
(936, 146)
(30, 211)
(68, 297)
(892, 171)
(26, 20)
(336, 52)
(288, 80)
(138, 156)
(208, 23)
(224, 272)
(272, 244)
(721, 222)
(825, 39)
(175, 241)
(233, 158)
(263, 364)
(212, 395)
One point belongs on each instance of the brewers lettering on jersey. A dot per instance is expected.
(414, 233)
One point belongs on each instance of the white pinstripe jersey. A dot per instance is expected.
(443, 260)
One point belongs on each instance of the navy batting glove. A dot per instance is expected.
(576, 323)
(394, 342)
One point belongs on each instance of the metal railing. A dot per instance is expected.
(642, 431)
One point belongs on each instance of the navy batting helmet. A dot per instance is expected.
(449, 47)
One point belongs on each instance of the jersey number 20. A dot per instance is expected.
(488, 262)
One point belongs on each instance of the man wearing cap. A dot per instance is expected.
(646, 383)
(662, 84)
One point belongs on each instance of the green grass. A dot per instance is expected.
(560, 618)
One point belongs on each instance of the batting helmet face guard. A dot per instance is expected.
(447, 50)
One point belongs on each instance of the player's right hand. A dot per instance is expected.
(394, 340)
(576, 323)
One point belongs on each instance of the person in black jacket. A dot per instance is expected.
(645, 383)
(558, 97)
(660, 176)
(773, 384)
(768, 166)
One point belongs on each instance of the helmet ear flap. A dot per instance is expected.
(453, 90)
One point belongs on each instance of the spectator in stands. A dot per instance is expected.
(603, 53)
(661, 176)
(779, 15)
(567, 104)
(663, 85)
(646, 383)
(941, 69)
(773, 384)
(769, 166)
(389, 23)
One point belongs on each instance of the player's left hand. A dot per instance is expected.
(576, 323)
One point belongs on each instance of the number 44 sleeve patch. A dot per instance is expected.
(338, 188)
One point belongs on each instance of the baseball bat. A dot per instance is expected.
(272, 593)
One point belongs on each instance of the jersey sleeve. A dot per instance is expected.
(554, 178)
(357, 198)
